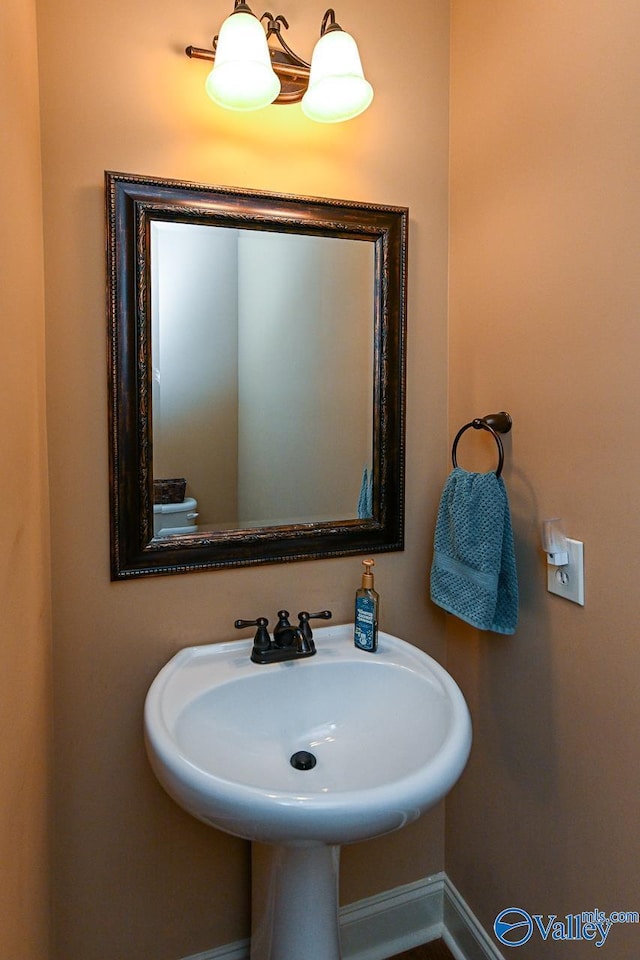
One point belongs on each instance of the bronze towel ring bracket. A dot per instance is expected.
(495, 423)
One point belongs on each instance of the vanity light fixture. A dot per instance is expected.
(249, 74)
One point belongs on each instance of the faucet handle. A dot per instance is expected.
(304, 618)
(323, 615)
(262, 640)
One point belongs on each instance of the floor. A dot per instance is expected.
(437, 950)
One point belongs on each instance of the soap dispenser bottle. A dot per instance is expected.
(365, 634)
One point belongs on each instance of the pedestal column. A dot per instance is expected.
(295, 902)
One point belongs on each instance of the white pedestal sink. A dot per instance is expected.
(389, 733)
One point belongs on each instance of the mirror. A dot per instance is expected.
(244, 327)
(256, 376)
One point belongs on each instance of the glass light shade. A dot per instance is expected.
(242, 77)
(337, 88)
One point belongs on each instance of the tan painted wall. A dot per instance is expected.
(132, 871)
(24, 576)
(544, 323)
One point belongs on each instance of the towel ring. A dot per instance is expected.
(495, 423)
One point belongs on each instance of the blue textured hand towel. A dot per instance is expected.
(473, 574)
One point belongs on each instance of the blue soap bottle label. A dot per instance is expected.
(365, 626)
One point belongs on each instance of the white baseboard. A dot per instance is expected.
(397, 920)
(462, 931)
(391, 922)
(231, 951)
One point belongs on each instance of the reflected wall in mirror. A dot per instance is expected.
(257, 351)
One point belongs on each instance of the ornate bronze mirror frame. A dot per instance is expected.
(133, 205)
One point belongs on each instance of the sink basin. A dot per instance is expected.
(390, 733)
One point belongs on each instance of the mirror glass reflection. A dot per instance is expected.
(262, 354)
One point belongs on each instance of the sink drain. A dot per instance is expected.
(303, 760)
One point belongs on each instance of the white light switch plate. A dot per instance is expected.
(568, 581)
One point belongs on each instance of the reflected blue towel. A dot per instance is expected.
(365, 500)
(473, 574)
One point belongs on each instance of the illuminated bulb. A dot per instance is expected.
(242, 77)
(337, 88)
